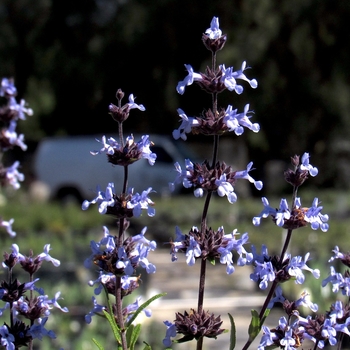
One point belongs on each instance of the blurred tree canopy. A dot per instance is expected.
(68, 58)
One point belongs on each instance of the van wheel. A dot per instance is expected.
(69, 195)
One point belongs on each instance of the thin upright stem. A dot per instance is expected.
(118, 290)
(120, 239)
(285, 245)
(118, 296)
(199, 343)
(9, 278)
(203, 269)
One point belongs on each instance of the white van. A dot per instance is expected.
(66, 166)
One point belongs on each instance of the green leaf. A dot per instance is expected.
(211, 260)
(267, 312)
(255, 326)
(100, 347)
(132, 334)
(147, 346)
(110, 317)
(142, 307)
(115, 328)
(233, 333)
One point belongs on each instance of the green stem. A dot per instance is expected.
(118, 291)
(203, 269)
(118, 285)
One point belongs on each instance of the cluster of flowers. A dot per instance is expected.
(207, 178)
(321, 329)
(209, 244)
(23, 305)
(19, 298)
(122, 261)
(117, 256)
(10, 112)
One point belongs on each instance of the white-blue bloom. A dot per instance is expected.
(132, 103)
(20, 108)
(225, 189)
(303, 301)
(144, 146)
(240, 75)
(182, 175)
(315, 218)
(7, 87)
(244, 174)
(13, 176)
(229, 80)
(170, 333)
(185, 126)
(267, 339)
(142, 258)
(288, 341)
(140, 238)
(229, 77)
(103, 199)
(8, 226)
(12, 136)
(38, 330)
(235, 121)
(297, 264)
(7, 339)
(46, 256)
(278, 298)
(282, 213)
(139, 202)
(264, 273)
(131, 308)
(45, 302)
(193, 251)
(97, 309)
(267, 211)
(191, 77)
(214, 32)
(305, 165)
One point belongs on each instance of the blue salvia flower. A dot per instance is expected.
(8, 226)
(214, 32)
(236, 121)
(97, 309)
(38, 330)
(191, 77)
(229, 77)
(7, 339)
(170, 333)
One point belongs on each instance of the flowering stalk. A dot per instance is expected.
(282, 268)
(117, 256)
(10, 113)
(28, 313)
(36, 309)
(209, 177)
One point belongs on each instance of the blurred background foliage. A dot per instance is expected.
(68, 59)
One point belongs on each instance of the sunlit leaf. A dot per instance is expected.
(232, 333)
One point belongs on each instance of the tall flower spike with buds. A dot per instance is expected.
(208, 178)
(222, 78)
